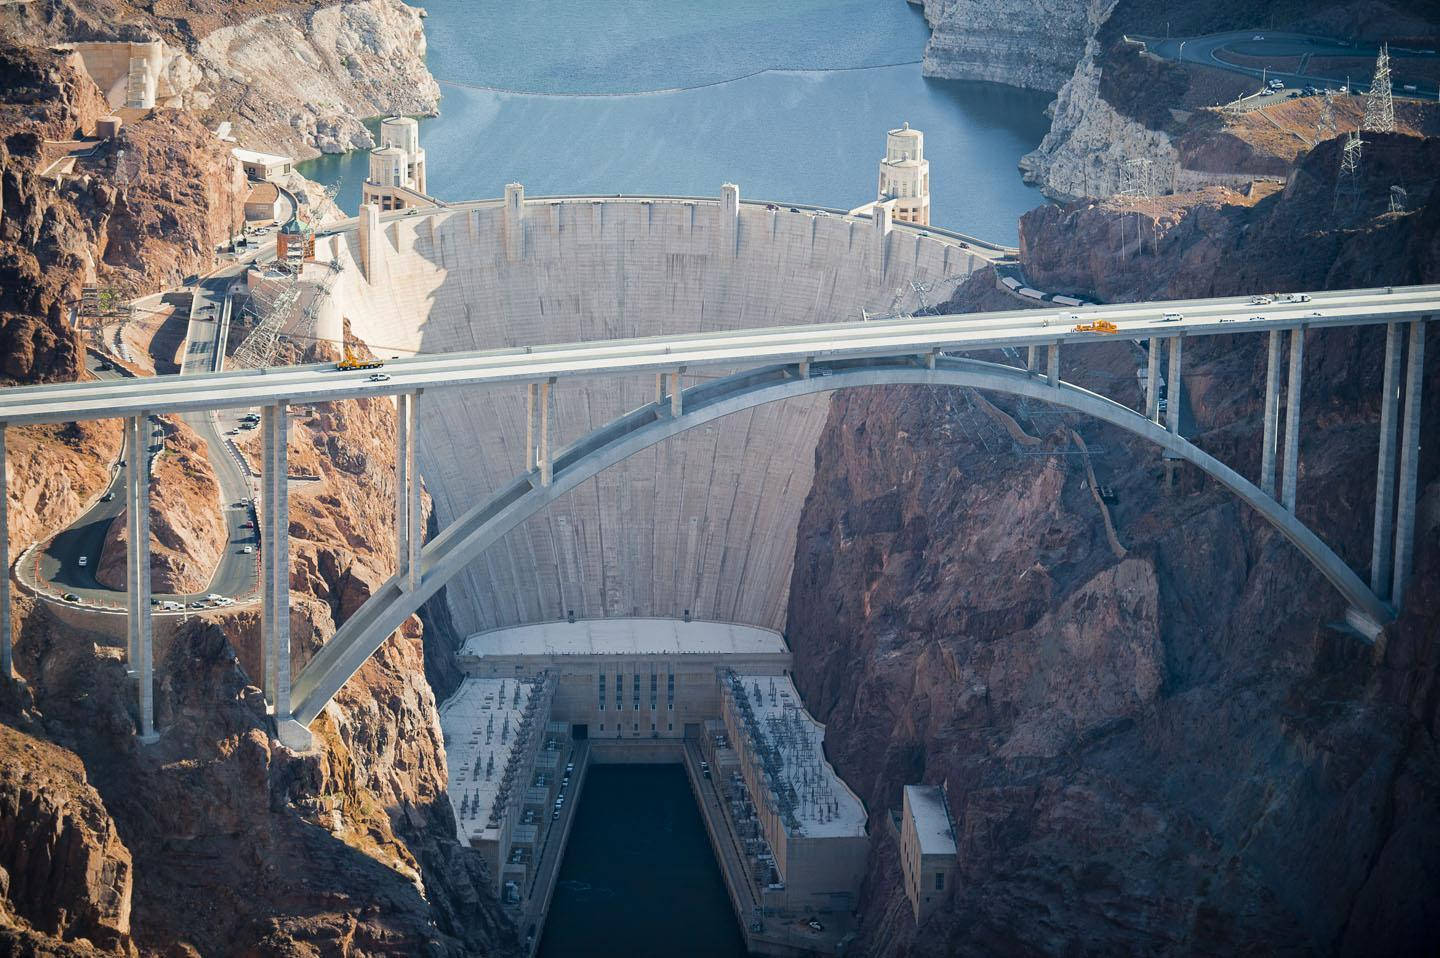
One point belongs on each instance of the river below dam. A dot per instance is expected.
(639, 878)
(791, 101)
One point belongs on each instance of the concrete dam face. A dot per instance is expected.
(704, 522)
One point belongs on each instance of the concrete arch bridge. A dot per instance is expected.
(753, 369)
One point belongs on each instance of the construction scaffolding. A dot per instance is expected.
(283, 308)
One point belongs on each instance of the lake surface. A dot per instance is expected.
(639, 879)
(791, 101)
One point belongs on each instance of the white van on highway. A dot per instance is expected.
(1172, 317)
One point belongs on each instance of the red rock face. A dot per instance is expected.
(67, 875)
(1160, 748)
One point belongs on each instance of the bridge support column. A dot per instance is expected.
(1409, 462)
(1053, 376)
(137, 454)
(1380, 554)
(1172, 385)
(659, 388)
(1152, 379)
(408, 531)
(275, 566)
(804, 368)
(544, 455)
(1032, 360)
(1294, 381)
(530, 427)
(677, 404)
(7, 638)
(1272, 413)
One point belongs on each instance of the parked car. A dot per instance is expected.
(84, 561)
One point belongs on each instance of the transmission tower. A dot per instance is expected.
(271, 304)
(1379, 102)
(1347, 184)
(1398, 199)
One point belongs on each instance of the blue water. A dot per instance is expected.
(639, 879)
(789, 100)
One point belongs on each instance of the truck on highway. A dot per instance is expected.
(351, 362)
(1098, 326)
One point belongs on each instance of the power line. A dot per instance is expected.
(1380, 101)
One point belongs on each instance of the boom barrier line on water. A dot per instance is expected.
(562, 94)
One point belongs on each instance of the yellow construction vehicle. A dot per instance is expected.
(351, 362)
(1099, 326)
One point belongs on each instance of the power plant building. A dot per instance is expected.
(927, 848)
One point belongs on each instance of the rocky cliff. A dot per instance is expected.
(67, 876)
(300, 82)
(240, 846)
(1219, 241)
(292, 76)
(1152, 738)
(1025, 43)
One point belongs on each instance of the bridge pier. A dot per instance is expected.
(275, 569)
(1172, 387)
(137, 503)
(677, 403)
(1032, 360)
(1294, 381)
(1409, 462)
(544, 453)
(1152, 383)
(1053, 361)
(1380, 549)
(7, 668)
(1272, 413)
(408, 532)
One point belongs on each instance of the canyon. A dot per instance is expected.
(1152, 738)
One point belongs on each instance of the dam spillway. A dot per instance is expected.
(703, 524)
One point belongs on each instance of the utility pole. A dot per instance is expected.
(1347, 183)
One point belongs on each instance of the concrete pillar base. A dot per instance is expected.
(149, 739)
(294, 736)
(1363, 624)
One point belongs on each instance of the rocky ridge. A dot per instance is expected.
(1161, 747)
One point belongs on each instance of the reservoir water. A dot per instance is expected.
(791, 101)
(639, 878)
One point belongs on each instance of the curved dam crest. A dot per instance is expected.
(702, 524)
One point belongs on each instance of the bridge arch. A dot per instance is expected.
(482, 525)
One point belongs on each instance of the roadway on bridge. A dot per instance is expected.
(737, 348)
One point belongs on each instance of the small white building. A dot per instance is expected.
(262, 166)
(905, 176)
(927, 849)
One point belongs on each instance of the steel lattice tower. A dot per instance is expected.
(1347, 183)
(1379, 102)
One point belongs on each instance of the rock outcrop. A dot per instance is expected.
(187, 532)
(1158, 749)
(1218, 241)
(64, 873)
(300, 82)
(1024, 43)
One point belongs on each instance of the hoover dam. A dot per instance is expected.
(704, 524)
